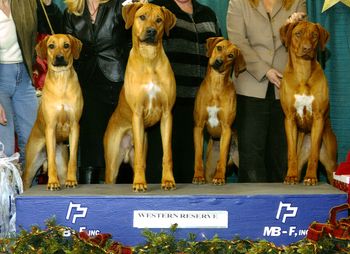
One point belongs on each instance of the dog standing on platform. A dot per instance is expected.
(305, 102)
(215, 107)
(148, 95)
(58, 115)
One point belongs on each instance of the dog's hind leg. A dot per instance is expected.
(219, 177)
(71, 180)
(114, 152)
(212, 156)
(303, 151)
(328, 151)
(62, 162)
(35, 156)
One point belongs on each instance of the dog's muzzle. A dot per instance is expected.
(150, 35)
(60, 61)
(217, 64)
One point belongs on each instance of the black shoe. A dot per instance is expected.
(89, 175)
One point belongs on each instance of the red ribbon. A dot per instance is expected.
(337, 229)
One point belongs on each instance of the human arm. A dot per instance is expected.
(273, 75)
(300, 14)
(54, 14)
(3, 119)
(236, 30)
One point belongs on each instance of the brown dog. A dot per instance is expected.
(147, 96)
(215, 106)
(58, 115)
(305, 102)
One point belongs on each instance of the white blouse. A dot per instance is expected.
(10, 51)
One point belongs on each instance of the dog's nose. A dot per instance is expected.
(151, 32)
(218, 62)
(306, 47)
(59, 58)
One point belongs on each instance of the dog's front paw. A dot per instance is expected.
(71, 183)
(291, 180)
(139, 187)
(218, 181)
(198, 180)
(168, 185)
(52, 186)
(310, 181)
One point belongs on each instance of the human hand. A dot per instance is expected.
(127, 2)
(47, 2)
(3, 119)
(274, 77)
(295, 17)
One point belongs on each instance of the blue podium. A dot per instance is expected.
(276, 212)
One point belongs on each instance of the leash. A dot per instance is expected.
(47, 17)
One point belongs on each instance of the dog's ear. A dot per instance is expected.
(239, 63)
(76, 45)
(286, 33)
(211, 42)
(128, 13)
(323, 36)
(169, 20)
(41, 48)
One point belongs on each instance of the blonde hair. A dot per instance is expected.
(286, 3)
(77, 6)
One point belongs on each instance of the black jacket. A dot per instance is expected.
(105, 43)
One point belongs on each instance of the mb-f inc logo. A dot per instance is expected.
(284, 211)
(76, 211)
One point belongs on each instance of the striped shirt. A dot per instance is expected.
(186, 44)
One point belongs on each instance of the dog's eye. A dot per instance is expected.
(66, 45)
(219, 48)
(51, 46)
(298, 34)
(314, 35)
(158, 20)
(142, 17)
(230, 56)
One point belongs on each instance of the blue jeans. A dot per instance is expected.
(17, 96)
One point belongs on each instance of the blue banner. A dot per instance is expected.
(279, 218)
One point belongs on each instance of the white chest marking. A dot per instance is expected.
(213, 116)
(303, 101)
(64, 107)
(151, 90)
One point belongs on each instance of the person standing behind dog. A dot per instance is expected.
(19, 23)
(253, 25)
(100, 68)
(185, 48)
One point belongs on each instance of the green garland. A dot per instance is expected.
(52, 241)
(166, 243)
(59, 240)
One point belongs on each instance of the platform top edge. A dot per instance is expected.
(187, 190)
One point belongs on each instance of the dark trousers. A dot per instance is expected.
(100, 99)
(261, 139)
(182, 145)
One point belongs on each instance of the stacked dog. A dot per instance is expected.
(305, 102)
